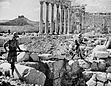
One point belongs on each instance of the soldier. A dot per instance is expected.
(12, 45)
(78, 42)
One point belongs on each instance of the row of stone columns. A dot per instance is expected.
(60, 25)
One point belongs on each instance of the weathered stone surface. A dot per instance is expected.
(22, 56)
(109, 76)
(100, 48)
(100, 84)
(108, 84)
(83, 64)
(101, 54)
(108, 61)
(94, 76)
(100, 51)
(34, 77)
(91, 82)
(58, 65)
(38, 66)
(44, 56)
(94, 66)
(51, 68)
(57, 68)
(34, 56)
(75, 67)
(101, 76)
(108, 69)
(4, 56)
(102, 65)
(30, 74)
(87, 75)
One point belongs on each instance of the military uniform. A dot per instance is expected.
(78, 42)
(12, 45)
(12, 53)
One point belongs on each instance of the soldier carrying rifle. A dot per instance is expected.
(12, 45)
(76, 47)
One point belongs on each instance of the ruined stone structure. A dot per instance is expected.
(77, 17)
(61, 24)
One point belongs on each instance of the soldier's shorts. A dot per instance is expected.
(12, 57)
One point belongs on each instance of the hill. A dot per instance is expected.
(20, 24)
(20, 21)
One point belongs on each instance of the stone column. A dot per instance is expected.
(80, 19)
(61, 16)
(52, 19)
(46, 20)
(65, 22)
(56, 22)
(41, 18)
(68, 21)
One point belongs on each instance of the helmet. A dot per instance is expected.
(15, 34)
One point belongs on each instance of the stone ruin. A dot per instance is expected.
(59, 25)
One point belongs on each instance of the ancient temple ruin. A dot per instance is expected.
(61, 25)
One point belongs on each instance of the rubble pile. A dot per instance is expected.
(55, 45)
(52, 65)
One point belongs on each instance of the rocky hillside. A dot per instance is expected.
(20, 21)
(19, 24)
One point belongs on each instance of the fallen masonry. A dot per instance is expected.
(51, 65)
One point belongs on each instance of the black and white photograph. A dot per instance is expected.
(55, 42)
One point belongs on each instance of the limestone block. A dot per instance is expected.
(102, 65)
(75, 67)
(108, 84)
(94, 76)
(37, 65)
(109, 76)
(91, 82)
(51, 68)
(57, 68)
(34, 56)
(108, 61)
(83, 64)
(22, 56)
(58, 65)
(100, 84)
(31, 75)
(100, 51)
(87, 75)
(35, 77)
(44, 56)
(102, 54)
(102, 76)
(94, 66)
(100, 48)
(108, 69)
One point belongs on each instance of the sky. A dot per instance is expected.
(10, 9)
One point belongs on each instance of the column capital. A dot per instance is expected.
(41, 2)
(47, 3)
(69, 8)
(52, 4)
(62, 6)
(65, 7)
(57, 5)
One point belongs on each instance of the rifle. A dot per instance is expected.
(2, 52)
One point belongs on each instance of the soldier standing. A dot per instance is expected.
(78, 42)
(12, 45)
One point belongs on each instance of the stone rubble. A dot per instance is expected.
(52, 65)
